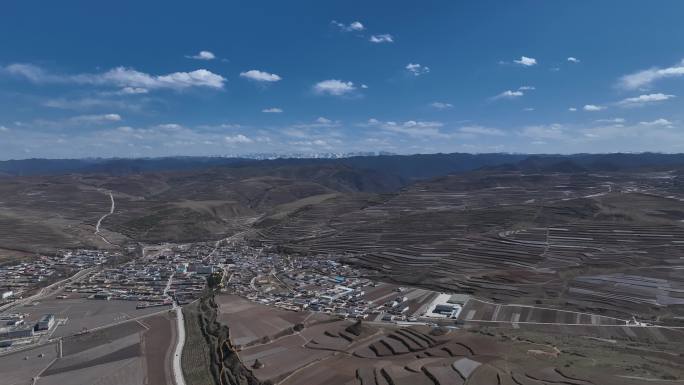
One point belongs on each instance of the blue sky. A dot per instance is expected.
(157, 78)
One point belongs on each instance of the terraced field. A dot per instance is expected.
(561, 240)
(344, 353)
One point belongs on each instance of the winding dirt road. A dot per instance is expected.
(102, 218)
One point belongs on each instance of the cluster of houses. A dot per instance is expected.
(318, 283)
(305, 283)
(151, 281)
(19, 279)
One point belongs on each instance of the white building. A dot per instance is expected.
(46, 322)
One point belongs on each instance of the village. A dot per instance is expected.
(37, 303)
(322, 284)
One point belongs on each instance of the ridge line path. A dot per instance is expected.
(102, 218)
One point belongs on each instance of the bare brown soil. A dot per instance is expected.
(158, 343)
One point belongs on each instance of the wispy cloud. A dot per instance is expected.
(593, 107)
(382, 38)
(260, 76)
(645, 78)
(93, 103)
(413, 128)
(121, 77)
(441, 105)
(509, 94)
(202, 55)
(479, 130)
(417, 69)
(104, 118)
(355, 26)
(239, 138)
(572, 59)
(514, 94)
(272, 110)
(642, 100)
(545, 132)
(133, 91)
(613, 120)
(657, 123)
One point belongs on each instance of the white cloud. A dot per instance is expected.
(441, 105)
(122, 77)
(239, 138)
(382, 38)
(364, 86)
(126, 77)
(355, 26)
(526, 88)
(417, 69)
(593, 107)
(334, 87)
(573, 59)
(260, 76)
(509, 94)
(644, 79)
(3, 128)
(203, 55)
(658, 123)
(96, 118)
(123, 140)
(572, 109)
(272, 110)
(528, 109)
(526, 61)
(642, 100)
(323, 120)
(29, 71)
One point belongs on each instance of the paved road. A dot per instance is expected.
(178, 378)
(99, 221)
(180, 342)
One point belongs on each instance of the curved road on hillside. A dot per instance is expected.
(102, 218)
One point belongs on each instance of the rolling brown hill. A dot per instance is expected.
(44, 213)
